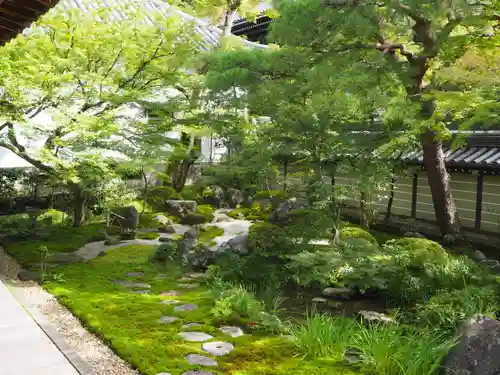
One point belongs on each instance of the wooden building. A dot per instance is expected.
(475, 184)
(16, 15)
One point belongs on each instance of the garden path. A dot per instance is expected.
(24, 346)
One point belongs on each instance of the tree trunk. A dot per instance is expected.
(388, 211)
(439, 183)
(285, 175)
(363, 217)
(146, 190)
(229, 21)
(80, 209)
(181, 172)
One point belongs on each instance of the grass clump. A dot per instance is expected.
(208, 233)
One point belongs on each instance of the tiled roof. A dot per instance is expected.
(16, 15)
(472, 157)
(210, 34)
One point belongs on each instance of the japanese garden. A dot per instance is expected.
(217, 187)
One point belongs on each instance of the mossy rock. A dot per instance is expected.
(355, 233)
(418, 251)
(147, 235)
(194, 219)
(207, 211)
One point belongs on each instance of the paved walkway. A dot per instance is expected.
(24, 347)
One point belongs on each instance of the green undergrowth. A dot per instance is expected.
(58, 239)
(129, 323)
(208, 233)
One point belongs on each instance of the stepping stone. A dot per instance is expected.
(168, 319)
(170, 293)
(195, 336)
(320, 300)
(183, 279)
(170, 302)
(196, 275)
(187, 307)
(161, 276)
(218, 348)
(134, 274)
(191, 372)
(131, 284)
(191, 325)
(164, 373)
(232, 331)
(188, 286)
(200, 360)
(141, 291)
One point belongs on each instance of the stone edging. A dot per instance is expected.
(82, 367)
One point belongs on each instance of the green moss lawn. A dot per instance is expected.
(130, 323)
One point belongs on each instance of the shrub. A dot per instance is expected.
(165, 252)
(191, 192)
(207, 211)
(259, 212)
(314, 268)
(352, 235)
(208, 233)
(193, 219)
(268, 240)
(307, 224)
(147, 235)
(159, 195)
(447, 310)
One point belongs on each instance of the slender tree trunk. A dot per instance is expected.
(439, 183)
(285, 175)
(388, 211)
(146, 191)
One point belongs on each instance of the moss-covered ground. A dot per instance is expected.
(130, 323)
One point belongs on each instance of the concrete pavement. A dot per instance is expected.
(25, 349)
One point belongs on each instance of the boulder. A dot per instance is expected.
(237, 245)
(376, 317)
(215, 198)
(64, 258)
(162, 219)
(478, 349)
(181, 208)
(166, 229)
(491, 263)
(288, 206)
(25, 275)
(125, 217)
(202, 257)
(112, 240)
(234, 197)
(340, 293)
(414, 235)
(479, 256)
(191, 233)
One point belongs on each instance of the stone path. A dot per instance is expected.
(24, 347)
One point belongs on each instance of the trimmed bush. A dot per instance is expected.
(194, 219)
(354, 234)
(165, 252)
(207, 211)
(307, 224)
(268, 240)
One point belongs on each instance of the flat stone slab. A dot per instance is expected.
(232, 331)
(195, 336)
(320, 300)
(162, 276)
(141, 291)
(164, 373)
(134, 274)
(170, 302)
(191, 325)
(196, 275)
(188, 286)
(187, 307)
(131, 284)
(170, 293)
(168, 319)
(185, 278)
(200, 360)
(218, 348)
(191, 372)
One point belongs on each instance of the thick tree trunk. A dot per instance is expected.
(439, 182)
(229, 21)
(80, 205)
(181, 173)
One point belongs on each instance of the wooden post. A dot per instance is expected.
(479, 200)
(414, 196)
